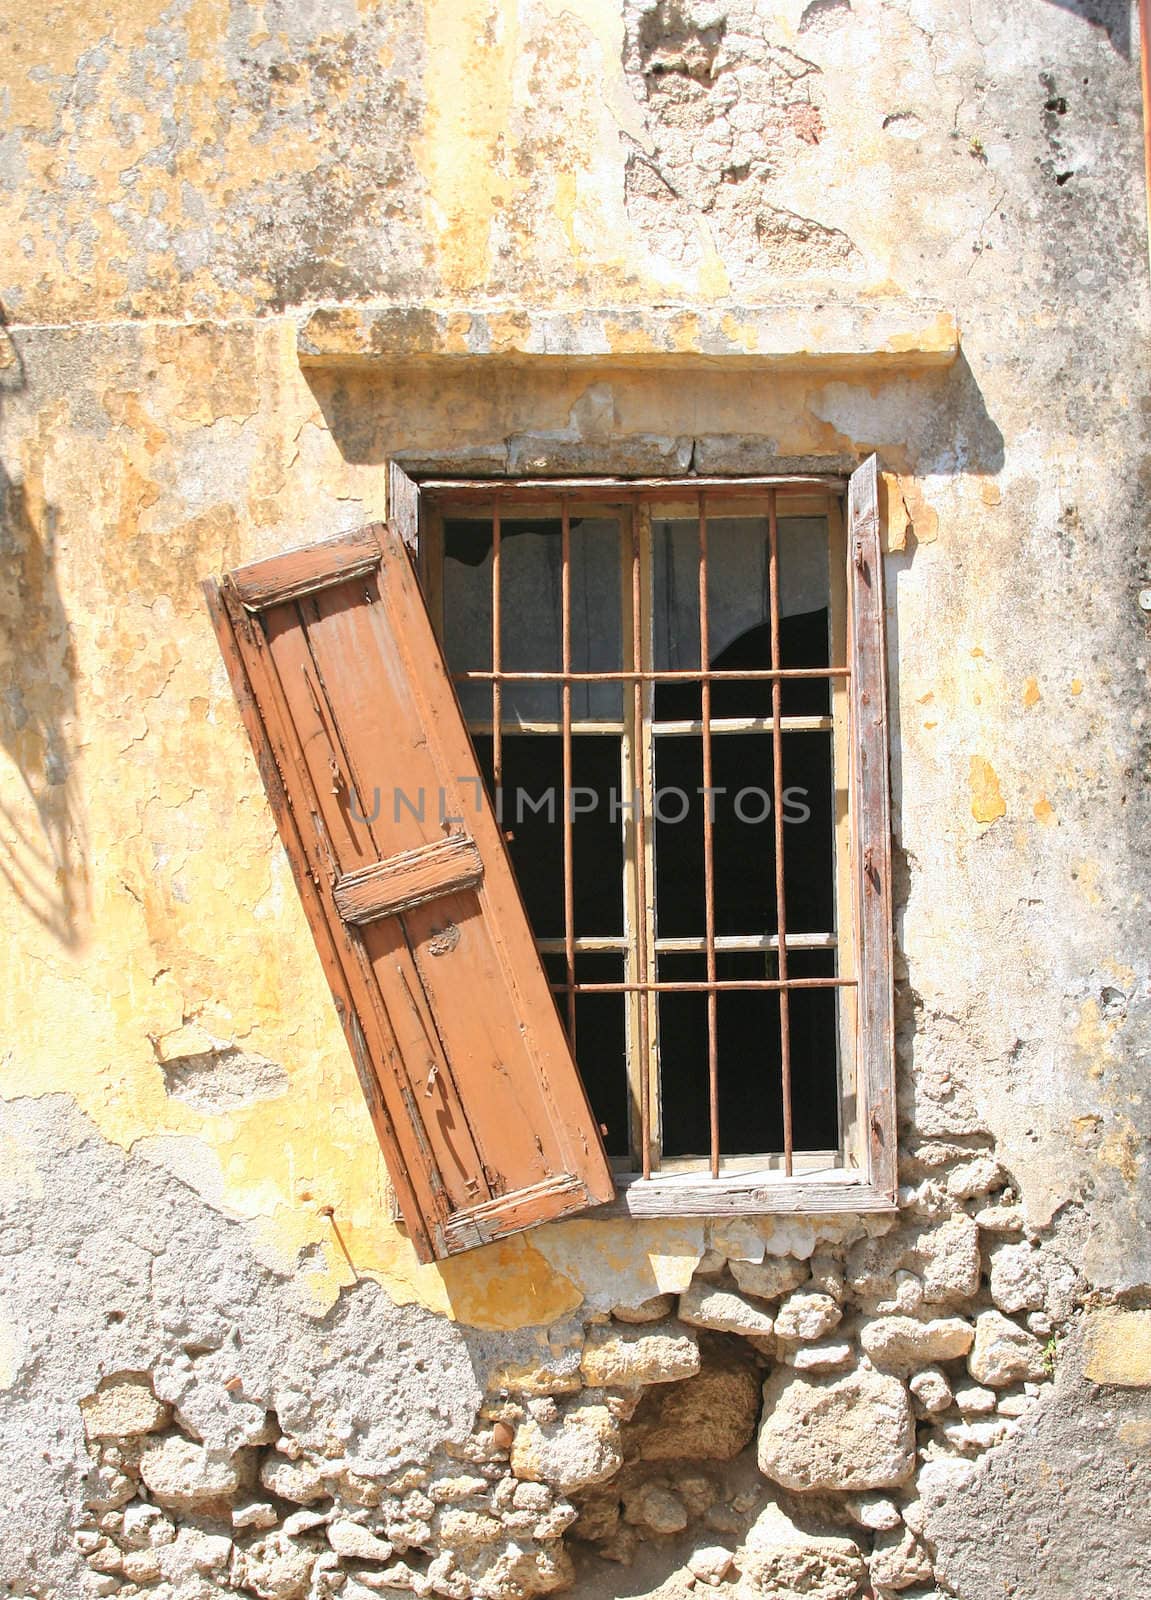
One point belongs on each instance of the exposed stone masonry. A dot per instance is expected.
(779, 1426)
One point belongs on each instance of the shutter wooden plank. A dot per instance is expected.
(871, 831)
(408, 880)
(335, 801)
(339, 957)
(483, 1119)
(300, 572)
(426, 781)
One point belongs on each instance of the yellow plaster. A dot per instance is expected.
(1118, 1348)
(469, 86)
(987, 802)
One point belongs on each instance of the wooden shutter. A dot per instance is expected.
(871, 825)
(401, 866)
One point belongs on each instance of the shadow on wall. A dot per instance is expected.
(1113, 16)
(432, 421)
(45, 869)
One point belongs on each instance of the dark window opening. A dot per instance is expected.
(649, 982)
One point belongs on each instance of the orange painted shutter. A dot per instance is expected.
(401, 866)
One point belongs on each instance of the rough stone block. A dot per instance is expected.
(900, 1344)
(703, 1306)
(710, 1417)
(848, 1433)
(184, 1475)
(123, 1408)
(581, 1449)
(807, 1316)
(770, 1278)
(622, 1357)
(1003, 1352)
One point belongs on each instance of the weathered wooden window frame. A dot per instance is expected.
(866, 1179)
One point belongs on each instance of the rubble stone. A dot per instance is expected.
(770, 1278)
(356, 1543)
(301, 1481)
(931, 1390)
(899, 1344)
(724, 1311)
(634, 1357)
(581, 1449)
(184, 1475)
(193, 1552)
(1003, 1352)
(807, 1316)
(123, 1408)
(875, 1511)
(849, 1433)
(254, 1514)
(710, 1417)
(829, 1355)
(899, 1560)
(710, 1564)
(780, 1561)
(276, 1568)
(972, 1398)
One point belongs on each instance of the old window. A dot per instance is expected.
(675, 696)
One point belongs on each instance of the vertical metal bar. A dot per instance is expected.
(777, 801)
(497, 685)
(568, 845)
(642, 963)
(708, 849)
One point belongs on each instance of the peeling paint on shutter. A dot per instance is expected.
(483, 1120)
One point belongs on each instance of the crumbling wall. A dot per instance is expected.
(800, 1419)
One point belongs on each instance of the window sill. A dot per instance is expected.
(761, 1193)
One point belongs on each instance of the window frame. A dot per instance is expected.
(866, 1179)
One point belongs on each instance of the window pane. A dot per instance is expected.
(601, 1046)
(530, 611)
(531, 813)
(739, 615)
(749, 1058)
(467, 592)
(744, 834)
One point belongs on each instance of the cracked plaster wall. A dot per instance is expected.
(178, 186)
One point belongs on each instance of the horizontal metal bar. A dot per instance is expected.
(626, 675)
(740, 942)
(729, 943)
(589, 944)
(704, 987)
(512, 725)
(747, 725)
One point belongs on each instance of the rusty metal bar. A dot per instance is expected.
(777, 784)
(643, 986)
(708, 851)
(691, 986)
(566, 691)
(497, 653)
(678, 675)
